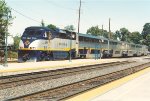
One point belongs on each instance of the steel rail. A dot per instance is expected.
(28, 78)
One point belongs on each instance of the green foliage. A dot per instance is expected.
(146, 30)
(148, 37)
(12, 54)
(114, 36)
(5, 20)
(118, 35)
(135, 37)
(51, 26)
(146, 40)
(105, 33)
(16, 42)
(146, 34)
(94, 30)
(70, 28)
(123, 34)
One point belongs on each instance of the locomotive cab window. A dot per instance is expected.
(32, 32)
(73, 36)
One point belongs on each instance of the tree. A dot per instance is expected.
(51, 26)
(146, 41)
(146, 30)
(70, 28)
(5, 20)
(16, 42)
(105, 33)
(94, 30)
(123, 34)
(118, 35)
(114, 36)
(135, 37)
(146, 34)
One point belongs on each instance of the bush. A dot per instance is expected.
(12, 54)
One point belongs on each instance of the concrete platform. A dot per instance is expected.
(19, 68)
(134, 87)
(135, 90)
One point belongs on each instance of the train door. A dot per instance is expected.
(84, 52)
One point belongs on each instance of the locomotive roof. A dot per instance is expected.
(37, 27)
(46, 28)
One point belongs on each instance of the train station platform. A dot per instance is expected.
(27, 67)
(134, 87)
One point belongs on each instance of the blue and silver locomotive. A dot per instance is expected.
(41, 43)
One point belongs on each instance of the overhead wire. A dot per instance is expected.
(25, 15)
(30, 18)
(37, 20)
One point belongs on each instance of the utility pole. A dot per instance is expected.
(101, 43)
(109, 37)
(70, 46)
(109, 30)
(102, 31)
(79, 17)
(8, 15)
(77, 37)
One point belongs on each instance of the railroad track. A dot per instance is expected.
(146, 58)
(63, 92)
(29, 78)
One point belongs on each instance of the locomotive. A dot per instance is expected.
(44, 44)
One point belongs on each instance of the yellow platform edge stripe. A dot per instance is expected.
(47, 67)
(89, 95)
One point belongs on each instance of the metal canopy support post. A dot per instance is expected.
(108, 46)
(77, 36)
(100, 47)
(109, 37)
(70, 47)
(6, 36)
(6, 52)
(96, 52)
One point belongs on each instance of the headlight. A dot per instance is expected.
(32, 48)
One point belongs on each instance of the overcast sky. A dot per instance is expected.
(131, 14)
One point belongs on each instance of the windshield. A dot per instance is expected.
(33, 32)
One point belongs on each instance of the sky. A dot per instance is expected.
(131, 14)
